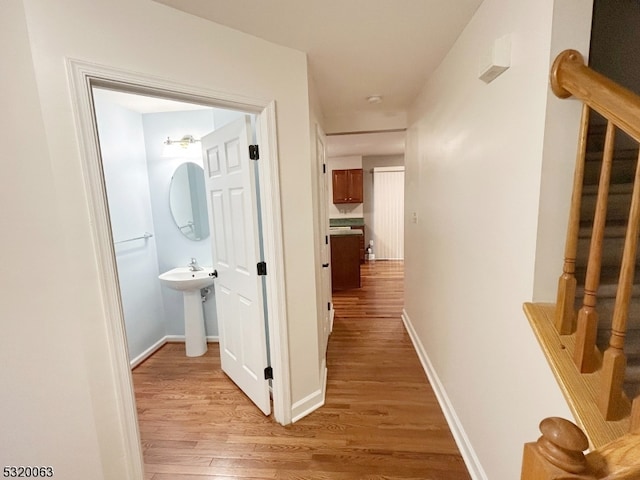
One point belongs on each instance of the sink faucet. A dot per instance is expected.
(193, 265)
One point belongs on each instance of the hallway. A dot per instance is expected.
(381, 419)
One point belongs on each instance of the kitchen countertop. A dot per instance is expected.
(344, 231)
(346, 222)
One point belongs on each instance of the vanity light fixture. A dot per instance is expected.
(184, 142)
(185, 147)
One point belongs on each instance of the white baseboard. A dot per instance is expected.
(311, 402)
(156, 346)
(180, 338)
(462, 440)
(148, 352)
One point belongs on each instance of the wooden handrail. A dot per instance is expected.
(570, 76)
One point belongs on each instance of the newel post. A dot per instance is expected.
(558, 453)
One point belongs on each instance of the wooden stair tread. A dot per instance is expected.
(619, 154)
(580, 390)
(613, 229)
(614, 188)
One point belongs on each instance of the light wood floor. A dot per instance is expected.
(381, 419)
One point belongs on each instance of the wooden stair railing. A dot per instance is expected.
(592, 381)
(558, 455)
(621, 109)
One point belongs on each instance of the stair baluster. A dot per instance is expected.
(635, 416)
(613, 403)
(587, 325)
(565, 310)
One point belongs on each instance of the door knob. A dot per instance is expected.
(214, 274)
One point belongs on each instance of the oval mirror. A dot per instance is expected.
(187, 199)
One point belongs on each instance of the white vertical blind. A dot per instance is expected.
(388, 213)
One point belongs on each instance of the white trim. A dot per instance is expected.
(147, 353)
(311, 402)
(462, 440)
(127, 419)
(181, 339)
(174, 339)
(268, 169)
(82, 76)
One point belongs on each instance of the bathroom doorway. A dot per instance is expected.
(158, 180)
(155, 223)
(85, 77)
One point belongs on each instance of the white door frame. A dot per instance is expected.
(83, 76)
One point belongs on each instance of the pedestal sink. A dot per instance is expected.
(189, 283)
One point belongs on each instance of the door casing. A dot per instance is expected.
(82, 77)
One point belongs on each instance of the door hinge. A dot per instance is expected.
(254, 152)
(268, 373)
(324, 168)
(326, 239)
(262, 268)
(329, 306)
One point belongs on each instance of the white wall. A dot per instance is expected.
(138, 177)
(149, 38)
(46, 416)
(474, 169)
(343, 210)
(174, 249)
(124, 162)
(559, 152)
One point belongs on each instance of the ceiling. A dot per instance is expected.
(355, 48)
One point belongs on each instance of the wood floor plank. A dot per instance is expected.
(381, 419)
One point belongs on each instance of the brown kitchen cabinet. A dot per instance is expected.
(347, 186)
(345, 262)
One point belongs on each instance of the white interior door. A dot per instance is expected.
(232, 201)
(388, 213)
(323, 218)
